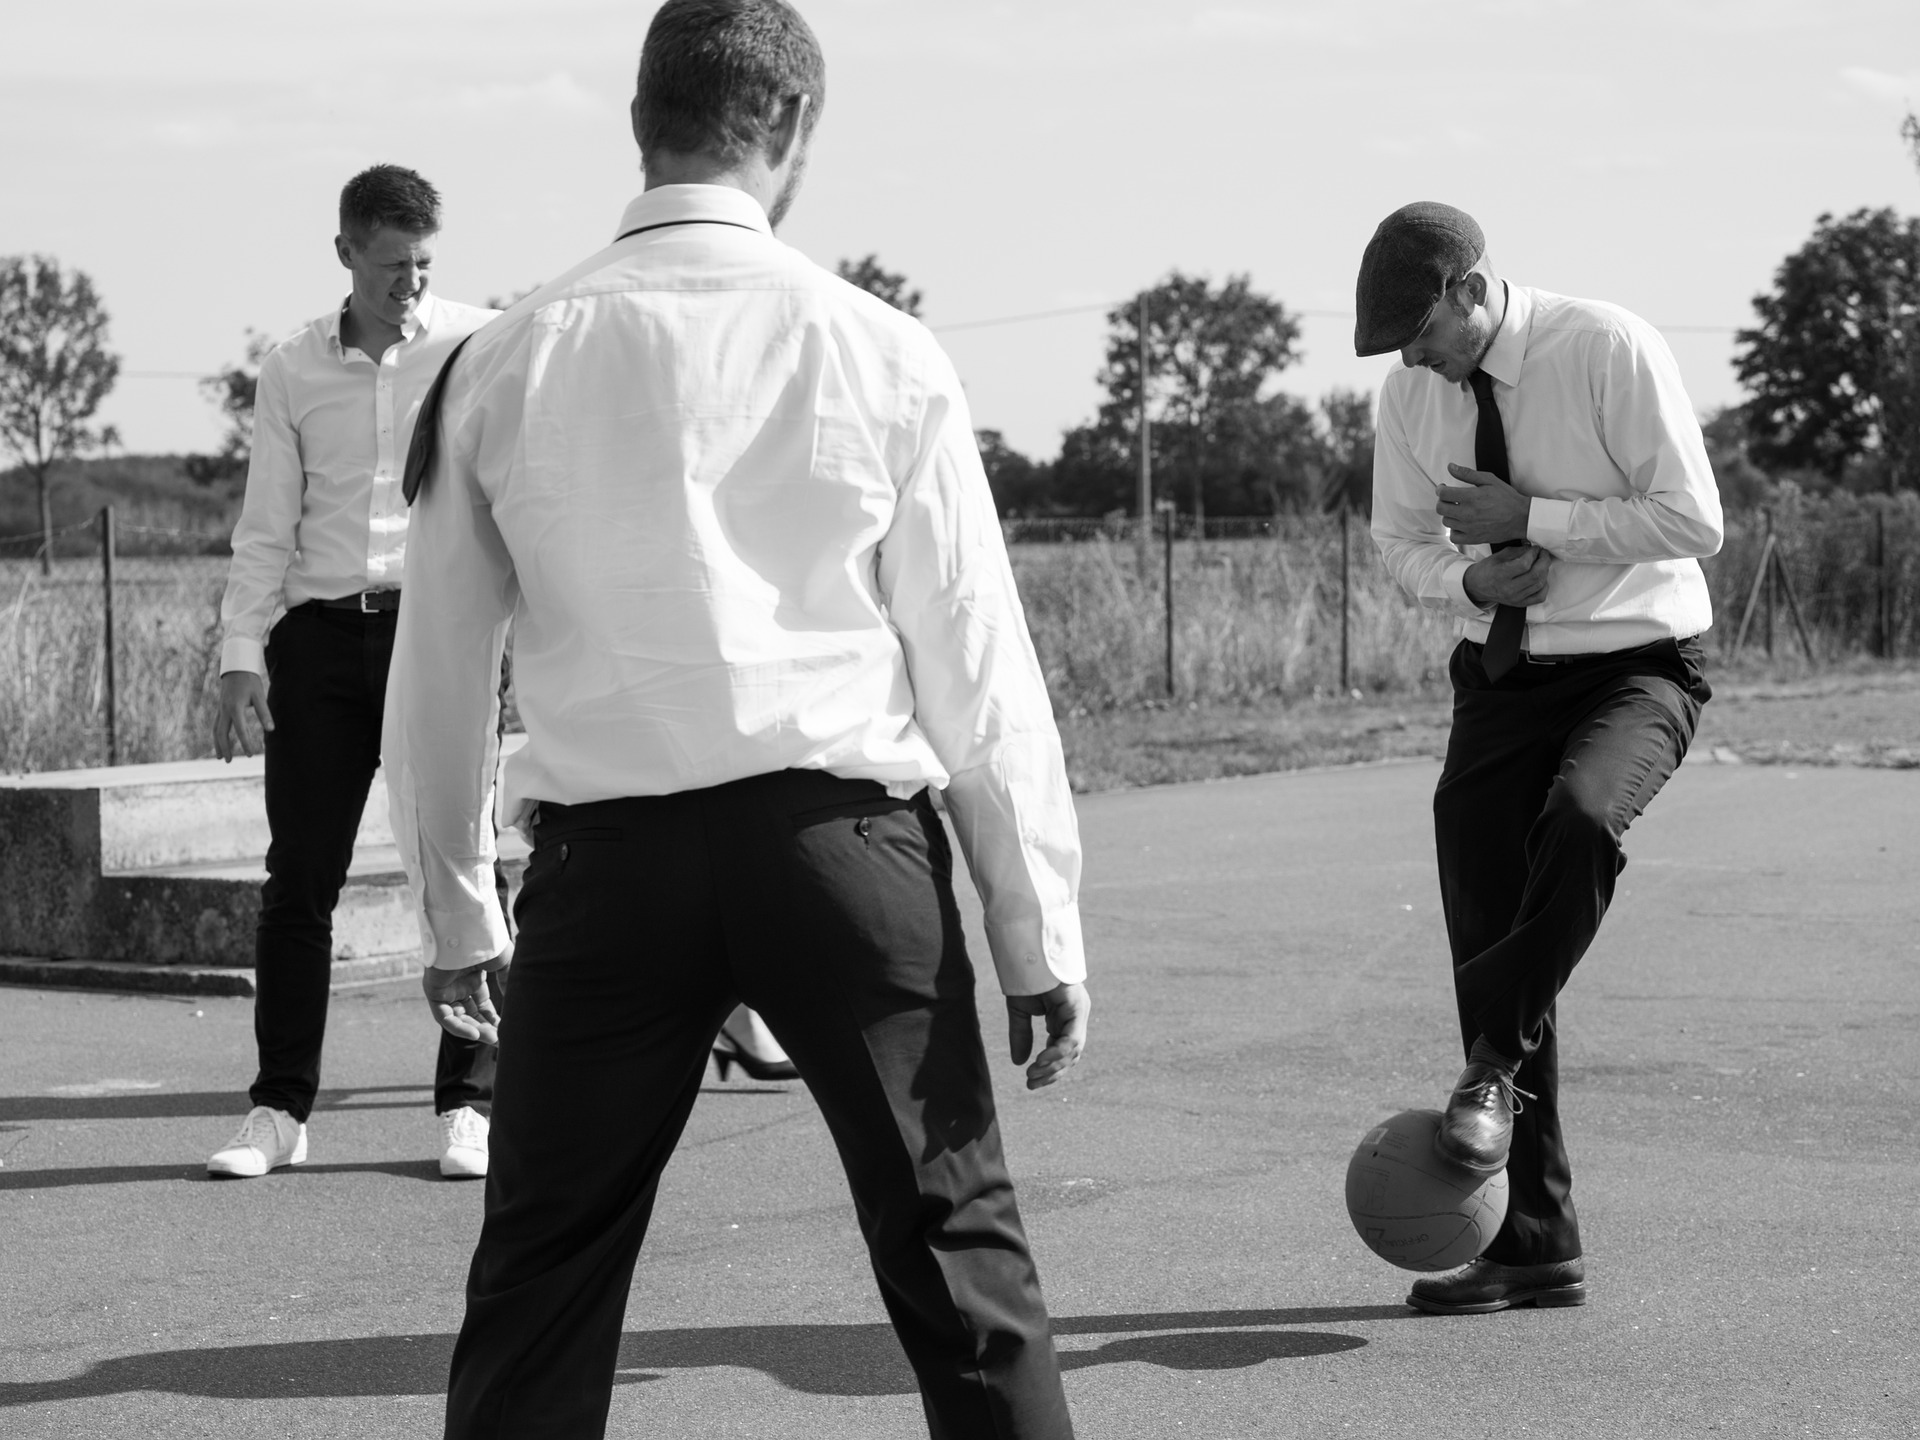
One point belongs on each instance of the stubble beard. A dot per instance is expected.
(790, 189)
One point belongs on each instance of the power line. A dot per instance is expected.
(1020, 319)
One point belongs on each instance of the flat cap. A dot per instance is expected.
(1419, 252)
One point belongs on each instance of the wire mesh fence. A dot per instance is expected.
(157, 593)
(1230, 609)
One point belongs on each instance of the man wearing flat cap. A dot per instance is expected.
(1539, 473)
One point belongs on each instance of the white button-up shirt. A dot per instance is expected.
(1601, 436)
(323, 516)
(733, 507)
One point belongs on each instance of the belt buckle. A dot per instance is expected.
(366, 603)
(370, 601)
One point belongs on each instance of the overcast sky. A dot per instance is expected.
(1010, 158)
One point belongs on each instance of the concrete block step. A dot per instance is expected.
(163, 864)
(183, 979)
(205, 914)
(182, 813)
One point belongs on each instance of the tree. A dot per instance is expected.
(1020, 485)
(1833, 345)
(232, 392)
(1220, 440)
(1347, 416)
(55, 370)
(869, 275)
(1743, 485)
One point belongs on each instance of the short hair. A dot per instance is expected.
(713, 74)
(388, 196)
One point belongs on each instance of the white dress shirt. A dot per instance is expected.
(733, 507)
(323, 517)
(1601, 436)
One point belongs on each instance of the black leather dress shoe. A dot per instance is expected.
(1487, 1285)
(1477, 1129)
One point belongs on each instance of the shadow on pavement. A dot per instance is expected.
(851, 1360)
(161, 1105)
(197, 1174)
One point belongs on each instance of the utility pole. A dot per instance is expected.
(1146, 448)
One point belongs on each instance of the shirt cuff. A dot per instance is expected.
(455, 942)
(1548, 522)
(1031, 957)
(243, 652)
(1455, 580)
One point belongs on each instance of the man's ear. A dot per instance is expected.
(788, 126)
(343, 247)
(1466, 295)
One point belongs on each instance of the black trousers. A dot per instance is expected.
(1545, 770)
(828, 907)
(327, 689)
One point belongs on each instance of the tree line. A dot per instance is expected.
(1831, 366)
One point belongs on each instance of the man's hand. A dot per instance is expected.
(1066, 1008)
(1517, 576)
(240, 691)
(1483, 509)
(460, 1002)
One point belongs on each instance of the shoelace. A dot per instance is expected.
(464, 1128)
(1503, 1081)
(259, 1131)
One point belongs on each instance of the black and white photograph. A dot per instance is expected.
(845, 719)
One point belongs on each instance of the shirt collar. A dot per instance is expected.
(422, 319)
(1509, 350)
(667, 204)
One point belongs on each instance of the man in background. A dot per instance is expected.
(1569, 548)
(760, 604)
(313, 597)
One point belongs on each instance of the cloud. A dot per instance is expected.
(1898, 89)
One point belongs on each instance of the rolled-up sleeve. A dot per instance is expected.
(440, 737)
(1648, 427)
(981, 700)
(1407, 531)
(269, 527)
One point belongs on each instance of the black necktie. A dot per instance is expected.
(1502, 650)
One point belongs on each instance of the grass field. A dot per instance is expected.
(53, 693)
(1256, 665)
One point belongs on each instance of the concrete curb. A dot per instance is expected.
(16, 970)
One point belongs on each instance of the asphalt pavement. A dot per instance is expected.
(1741, 1056)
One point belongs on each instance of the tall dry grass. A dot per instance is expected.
(1252, 619)
(53, 695)
(1255, 617)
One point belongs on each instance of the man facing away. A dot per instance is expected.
(1538, 472)
(760, 604)
(312, 599)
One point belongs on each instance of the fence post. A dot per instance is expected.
(1146, 448)
(106, 585)
(1883, 594)
(1346, 596)
(1166, 512)
(1766, 618)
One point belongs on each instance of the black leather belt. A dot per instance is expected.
(1594, 655)
(367, 602)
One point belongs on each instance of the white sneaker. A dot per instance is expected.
(267, 1139)
(463, 1134)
